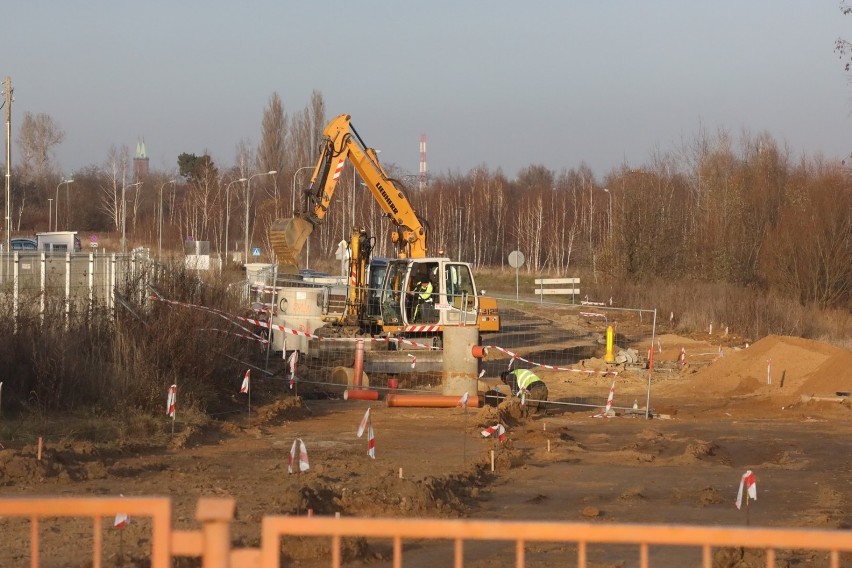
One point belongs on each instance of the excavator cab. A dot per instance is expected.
(425, 294)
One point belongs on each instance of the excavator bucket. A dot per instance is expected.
(287, 237)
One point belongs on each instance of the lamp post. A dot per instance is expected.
(66, 182)
(609, 193)
(228, 211)
(248, 197)
(461, 215)
(49, 214)
(124, 215)
(293, 195)
(160, 220)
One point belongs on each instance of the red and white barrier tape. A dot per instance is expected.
(243, 335)
(292, 331)
(213, 311)
(543, 366)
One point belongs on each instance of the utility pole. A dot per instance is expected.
(8, 91)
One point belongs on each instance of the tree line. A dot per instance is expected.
(742, 211)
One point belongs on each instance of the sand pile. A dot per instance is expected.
(796, 366)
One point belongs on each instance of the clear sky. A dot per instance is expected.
(504, 84)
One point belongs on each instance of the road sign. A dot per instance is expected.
(93, 238)
(516, 259)
(255, 251)
(93, 244)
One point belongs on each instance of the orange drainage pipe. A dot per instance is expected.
(429, 400)
(360, 394)
(478, 351)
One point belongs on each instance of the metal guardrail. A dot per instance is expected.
(458, 531)
(212, 542)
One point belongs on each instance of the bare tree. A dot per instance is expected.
(272, 151)
(116, 166)
(38, 135)
(316, 113)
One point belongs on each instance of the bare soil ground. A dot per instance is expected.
(713, 419)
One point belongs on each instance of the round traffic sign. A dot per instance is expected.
(516, 259)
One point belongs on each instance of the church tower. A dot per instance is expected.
(140, 161)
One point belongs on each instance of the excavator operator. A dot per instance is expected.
(422, 296)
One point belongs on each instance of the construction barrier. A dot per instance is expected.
(212, 543)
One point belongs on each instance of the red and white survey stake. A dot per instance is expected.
(463, 400)
(682, 357)
(244, 388)
(750, 484)
(171, 400)
(121, 521)
(498, 429)
(605, 413)
(303, 456)
(292, 360)
(371, 442)
(363, 425)
(413, 360)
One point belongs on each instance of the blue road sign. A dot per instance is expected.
(255, 251)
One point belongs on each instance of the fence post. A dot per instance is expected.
(67, 290)
(91, 283)
(215, 515)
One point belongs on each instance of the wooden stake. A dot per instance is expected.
(41, 444)
(464, 439)
(492, 460)
(400, 473)
(548, 446)
(544, 426)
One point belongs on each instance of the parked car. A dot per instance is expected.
(22, 243)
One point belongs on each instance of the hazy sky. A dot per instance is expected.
(497, 83)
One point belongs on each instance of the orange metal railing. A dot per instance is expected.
(159, 509)
(458, 531)
(212, 542)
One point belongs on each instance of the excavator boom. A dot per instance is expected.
(341, 142)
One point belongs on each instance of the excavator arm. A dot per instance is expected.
(341, 142)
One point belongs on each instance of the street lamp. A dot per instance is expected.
(293, 195)
(609, 193)
(49, 214)
(160, 220)
(228, 211)
(248, 196)
(461, 214)
(124, 215)
(66, 182)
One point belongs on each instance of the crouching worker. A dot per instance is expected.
(527, 386)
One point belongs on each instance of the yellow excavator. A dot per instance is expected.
(418, 294)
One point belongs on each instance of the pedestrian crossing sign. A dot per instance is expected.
(255, 251)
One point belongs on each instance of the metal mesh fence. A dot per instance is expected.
(561, 342)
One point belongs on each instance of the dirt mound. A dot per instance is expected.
(508, 412)
(289, 408)
(795, 366)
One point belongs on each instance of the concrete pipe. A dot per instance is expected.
(429, 400)
(360, 394)
(461, 368)
(344, 377)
